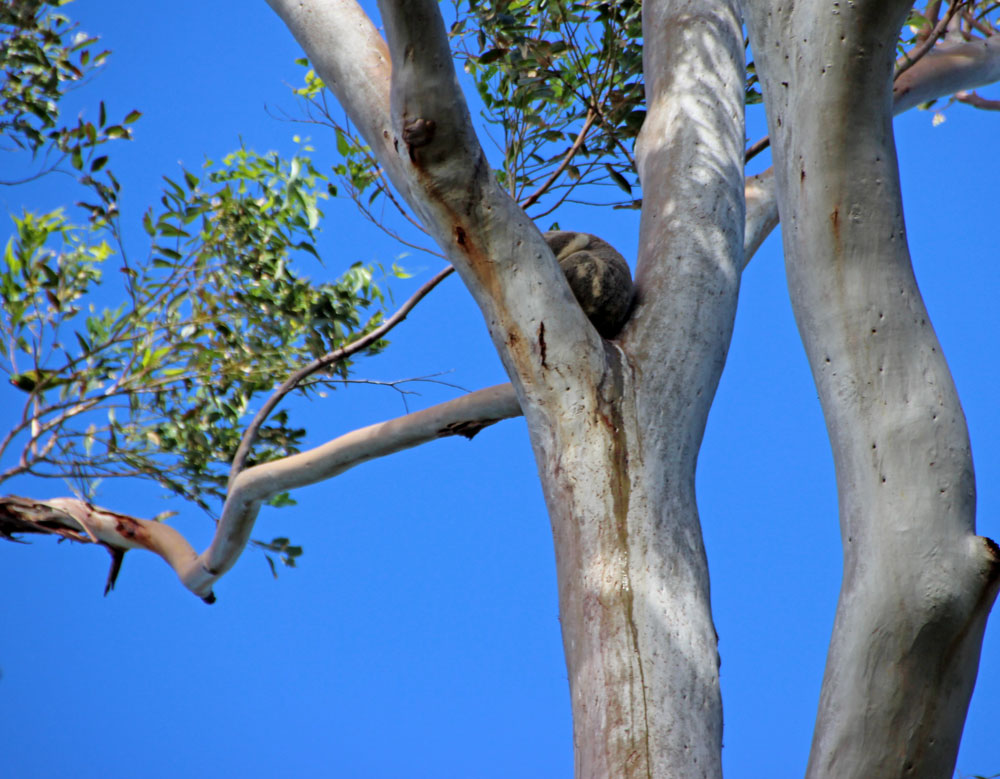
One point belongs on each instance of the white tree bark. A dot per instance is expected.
(80, 521)
(947, 69)
(640, 645)
(918, 584)
(616, 426)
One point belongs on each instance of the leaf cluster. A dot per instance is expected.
(42, 57)
(561, 81)
(161, 385)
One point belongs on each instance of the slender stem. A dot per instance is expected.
(580, 138)
(250, 434)
(971, 98)
(756, 148)
(910, 58)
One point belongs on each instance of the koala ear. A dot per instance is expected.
(564, 242)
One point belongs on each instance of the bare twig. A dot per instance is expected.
(910, 58)
(756, 148)
(580, 138)
(971, 98)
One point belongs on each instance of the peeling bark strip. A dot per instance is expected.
(918, 584)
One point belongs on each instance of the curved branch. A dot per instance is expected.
(462, 416)
(947, 69)
(80, 521)
(762, 212)
(250, 434)
(83, 522)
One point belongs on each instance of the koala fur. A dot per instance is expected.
(597, 274)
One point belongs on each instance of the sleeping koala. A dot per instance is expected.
(597, 274)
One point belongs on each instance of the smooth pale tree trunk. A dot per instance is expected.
(918, 583)
(615, 426)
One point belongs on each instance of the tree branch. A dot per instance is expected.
(914, 55)
(971, 98)
(536, 325)
(949, 68)
(762, 212)
(83, 522)
(250, 434)
(580, 138)
(352, 59)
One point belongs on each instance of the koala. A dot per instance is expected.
(597, 274)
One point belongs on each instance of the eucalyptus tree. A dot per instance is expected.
(616, 422)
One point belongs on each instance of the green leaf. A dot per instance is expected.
(619, 179)
(492, 56)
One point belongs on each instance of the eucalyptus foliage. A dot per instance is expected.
(161, 383)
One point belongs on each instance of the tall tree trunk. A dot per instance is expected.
(918, 583)
(615, 426)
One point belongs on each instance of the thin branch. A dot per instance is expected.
(971, 98)
(910, 58)
(580, 138)
(756, 148)
(250, 435)
(974, 23)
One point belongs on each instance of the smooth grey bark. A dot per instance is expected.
(918, 583)
(615, 426)
(81, 521)
(947, 69)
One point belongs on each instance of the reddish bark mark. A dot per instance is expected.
(460, 237)
(129, 528)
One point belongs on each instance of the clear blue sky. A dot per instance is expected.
(420, 635)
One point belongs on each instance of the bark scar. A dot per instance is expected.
(541, 342)
(469, 429)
